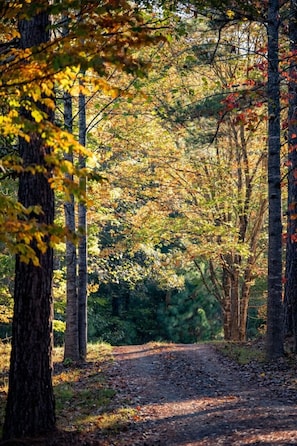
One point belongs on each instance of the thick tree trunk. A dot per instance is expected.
(30, 404)
(82, 245)
(71, 350)
(274, 303)
(290, 299)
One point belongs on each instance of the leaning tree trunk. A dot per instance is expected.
(274, 302)
(30, 404)
(291, 244)
(82, 244)
(244, 307)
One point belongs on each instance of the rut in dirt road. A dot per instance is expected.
(190, 395)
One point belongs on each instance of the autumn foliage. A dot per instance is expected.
(99, 38)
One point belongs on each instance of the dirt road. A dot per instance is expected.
(188, 395)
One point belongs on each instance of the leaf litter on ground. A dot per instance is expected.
(155, 393)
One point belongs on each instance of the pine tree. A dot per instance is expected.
(274, 304)
(30, 378)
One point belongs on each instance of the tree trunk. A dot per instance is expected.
(290, 299)
(245, 299)
(227, 305)
(71, 350)
(82, 245)
(235, 304)
(274, 303)
(115, 303)
(30, 404)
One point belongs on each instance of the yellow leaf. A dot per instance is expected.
(230, 14)
(49, 103)
(35, 261)
(37, 115)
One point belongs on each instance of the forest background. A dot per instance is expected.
(148, 167)
(176, 198)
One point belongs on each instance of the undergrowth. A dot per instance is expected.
(83, 395)
(242, 352)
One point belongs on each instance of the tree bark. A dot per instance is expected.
(274, 302)
(71, 349)
(235, 304)
(30, 404)
(227, 305)
(82, 245)
(290, 299)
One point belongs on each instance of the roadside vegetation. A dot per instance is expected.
(84, 395)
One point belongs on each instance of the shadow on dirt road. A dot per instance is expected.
(188, 395)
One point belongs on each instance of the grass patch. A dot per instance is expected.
(81, 390)
(109, 422)
(242, 352)
(4, 369)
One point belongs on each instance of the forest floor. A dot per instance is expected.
(189, 395)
